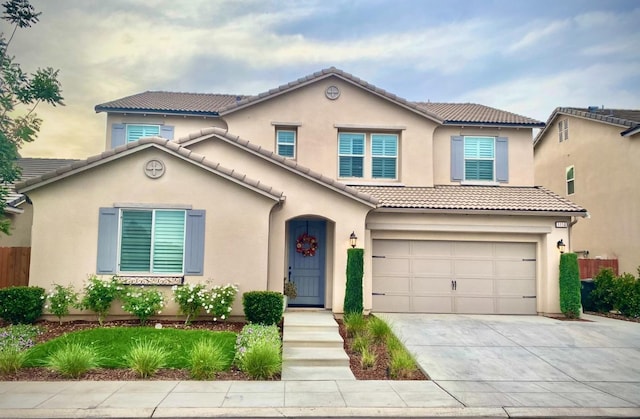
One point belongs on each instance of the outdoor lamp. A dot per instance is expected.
(353, 239)
(560, 246)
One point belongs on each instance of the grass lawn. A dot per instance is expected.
(113, 344)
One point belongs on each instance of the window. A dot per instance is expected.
(351, 155)
(479, 157)
(571, 179)
(134, 132)
(381, 163)
(563, 130)
(286, 143)
(151, 241)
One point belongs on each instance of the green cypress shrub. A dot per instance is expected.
(569, 285)
(262, 307)
(21, 304)
(353, 293)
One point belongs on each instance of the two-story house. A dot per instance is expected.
(257, 190)
(590, 156)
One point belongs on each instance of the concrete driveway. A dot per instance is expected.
(526, 360)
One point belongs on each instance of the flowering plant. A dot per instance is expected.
(190, 299)
(253, 335)
(142, 303)
(219, 300)
(290, 290)
(99, 294)
(60, 299)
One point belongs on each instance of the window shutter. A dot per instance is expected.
(194, 243)
(502, 159)
(457, 158)
(166, 131)
(107, 241)
(118, 135)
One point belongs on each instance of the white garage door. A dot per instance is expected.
(454, 277)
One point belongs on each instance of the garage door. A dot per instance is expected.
(454, 277)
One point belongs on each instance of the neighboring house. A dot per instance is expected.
(590, 156)
(255, 190)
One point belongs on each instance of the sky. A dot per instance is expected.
(523, 56)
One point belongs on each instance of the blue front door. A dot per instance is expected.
(307, 250)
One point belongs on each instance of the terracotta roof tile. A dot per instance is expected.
(473, 113)
(472, 198)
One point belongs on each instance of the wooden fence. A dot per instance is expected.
(589, 268)
(14, 266)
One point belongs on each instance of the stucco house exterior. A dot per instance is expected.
(256, 190)
(590, 156)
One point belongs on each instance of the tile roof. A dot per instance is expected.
(473, 113)
(473, 198)
(143, 143)
(219, 104)
(629, 118)
(171, 102)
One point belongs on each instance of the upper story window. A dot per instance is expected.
(563, 130)
(134, 132)
(479, 159)
(286, 143)
(380, 162)
(126, 133)
(571, 180)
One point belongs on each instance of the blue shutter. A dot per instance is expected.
(502, 159)
(107, 241)
(166, 131)
(194, 243)
(457, 158)
(118, 135)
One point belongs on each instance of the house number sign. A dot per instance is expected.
(154, 169)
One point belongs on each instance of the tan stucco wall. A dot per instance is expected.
(65, 224)
(317, 146)
(494, 228)
(20, 228)
(182, 125)
(520, 153)
(606, 174)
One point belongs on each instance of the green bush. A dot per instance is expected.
(603, 292)
(262, 361)
(569, 285)
(142, 302)
(262, 307)
(617, 293)
(190, 299)
(11, 360)
(22, 305)
(354, 323)
(253, 334)
(18, 336)
(99, 294)
(353, 293)
(146, 358)
(379, 330)
(206, 359)
(73, 360)
(60, 299)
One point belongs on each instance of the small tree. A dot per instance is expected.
(569, 285)
(353, 293)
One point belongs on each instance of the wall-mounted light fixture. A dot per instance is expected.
(353, 239)
(560, 245)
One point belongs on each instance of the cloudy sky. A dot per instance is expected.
(524, 56)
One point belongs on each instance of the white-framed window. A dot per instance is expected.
(151, 241)
(136, 131)
(479, 158)
(286, 142)
(370, 155)
(571, 180)
(563, 130)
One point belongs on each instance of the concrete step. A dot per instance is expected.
(299, 373)
(312, 339)
(317, 357)
(301, 318)
(307, 328)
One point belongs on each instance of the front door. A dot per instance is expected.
(307, 250)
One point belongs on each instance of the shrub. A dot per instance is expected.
(401, 364)
(18, 336)
(73, 360)
(353, 294)
(11, 360)
(262, 361)
(263, 307)
(206, 359)
(603, 292)
(60, 300)
(21, 304)
(368, 358)
(190, 299)
(142, 303)
(219, 300)
(146, 358)
(569, 285)
(354, 323)
(618, 293)
(99, 294)
(361, 342)
(378, 329)
(253, 334)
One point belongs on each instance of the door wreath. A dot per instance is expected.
(306, 245)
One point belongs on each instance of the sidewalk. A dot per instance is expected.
(265, 399)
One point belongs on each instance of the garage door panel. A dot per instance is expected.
(515, 269)
(392, 284)
(391, 247)
(480, 268)
(431, 248)
(474, 286)
(474, 305)
(517, 250)
(432, 266)
(516, 305)
(473, 249)
(515, 287)
(432, 304)
(391, 265)
(431, 285)
(391, 303)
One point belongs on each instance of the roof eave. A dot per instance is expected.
(542, 213)
(151, 111)
(494, 124)
(631, 131)
(12, 210)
